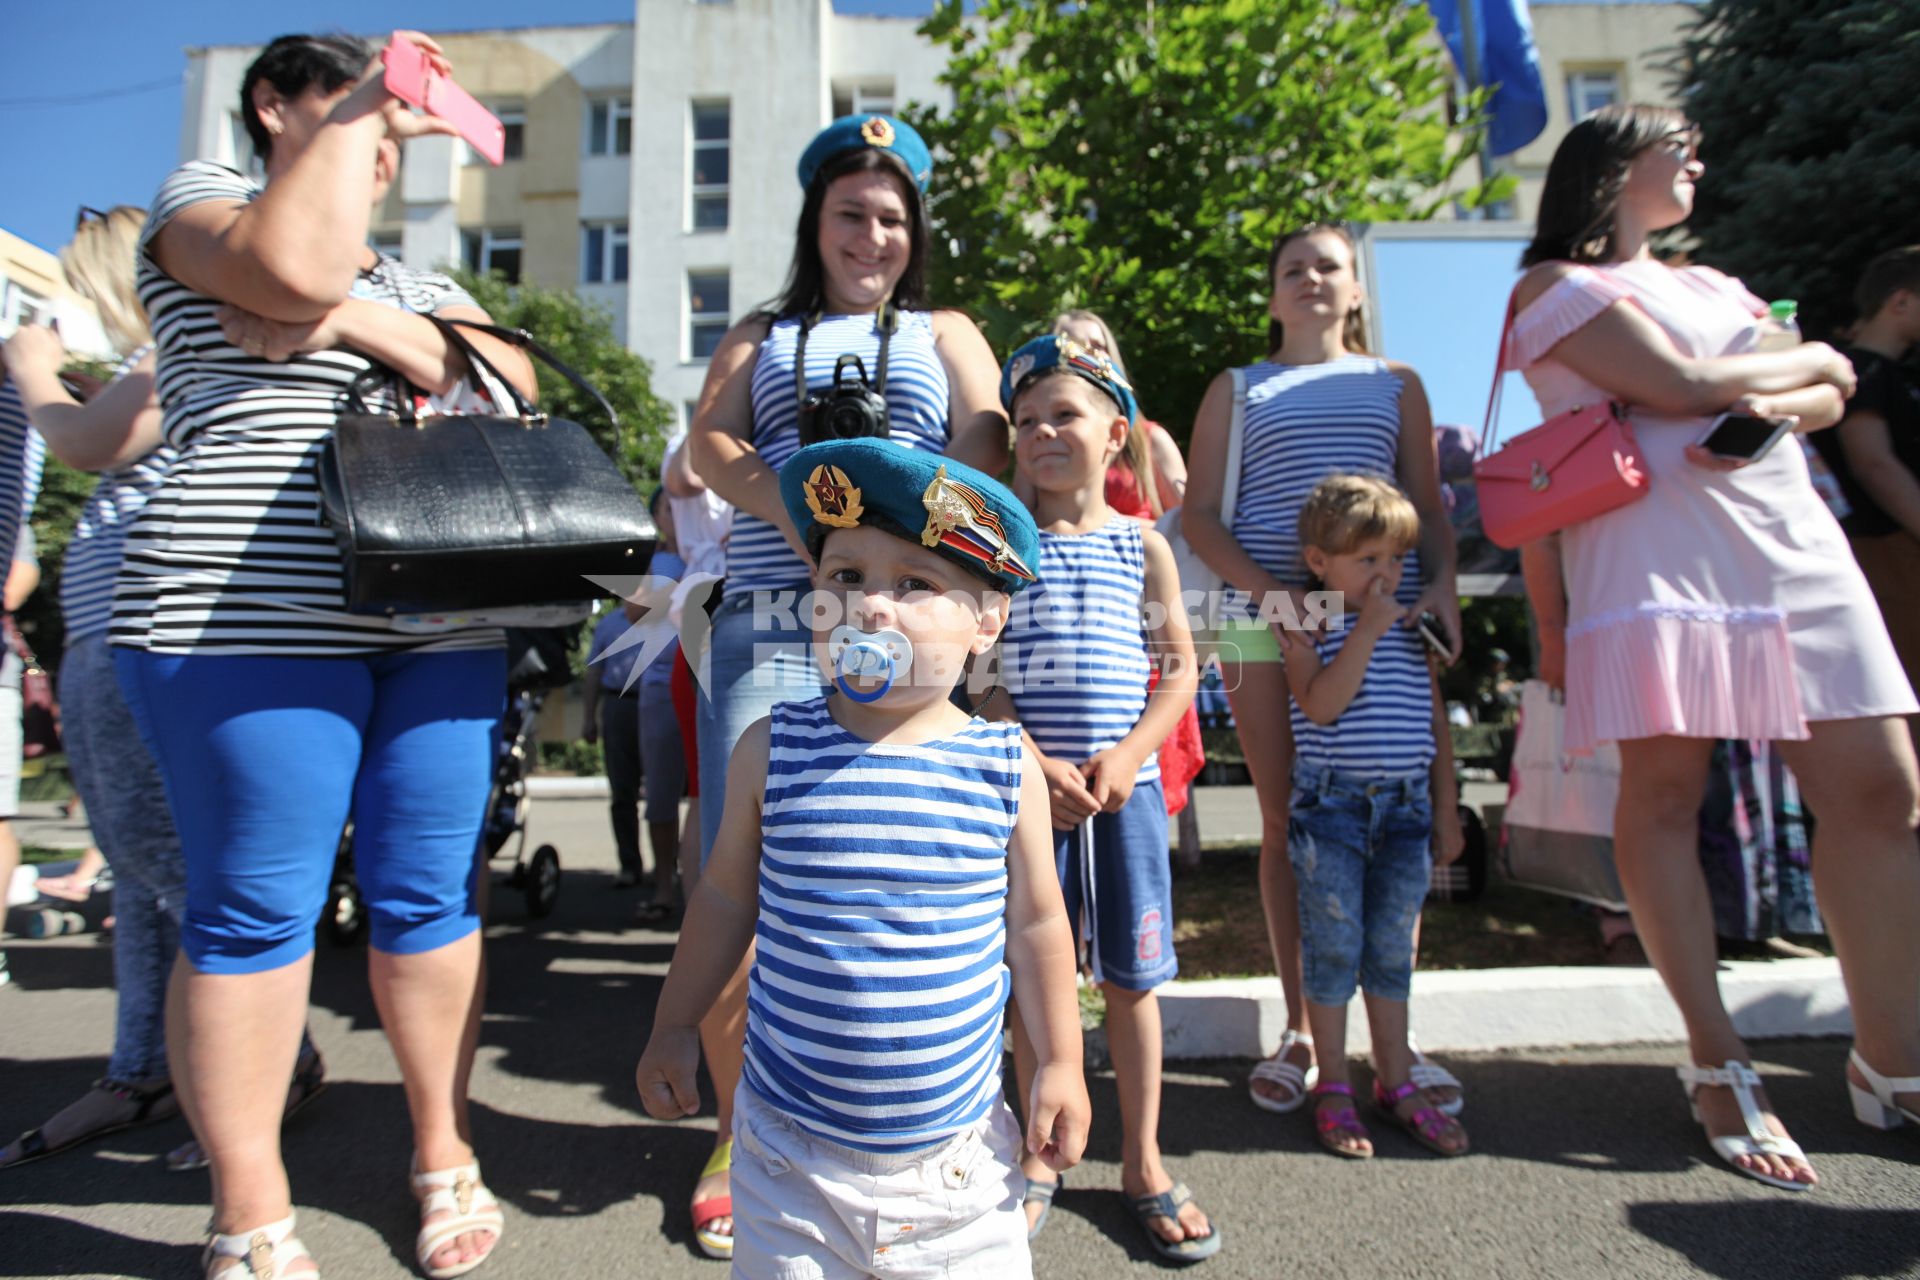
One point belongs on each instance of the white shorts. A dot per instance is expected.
(808, 1209)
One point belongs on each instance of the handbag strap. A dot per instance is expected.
(1484, 447)
(520, 338)
(1236, 437)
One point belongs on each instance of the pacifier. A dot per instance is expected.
(867, 655)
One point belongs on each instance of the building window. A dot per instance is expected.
(1588, 91)
(492, 249)
(610, 127)
(712, 165)
(513, 119)
(874, 97)
(20, 305)
(603, 252)
(706, 312)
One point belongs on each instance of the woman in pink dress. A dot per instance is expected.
(1722, 604)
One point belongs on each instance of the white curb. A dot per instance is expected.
(567, 788)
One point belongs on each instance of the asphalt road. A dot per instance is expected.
(1585, 1163)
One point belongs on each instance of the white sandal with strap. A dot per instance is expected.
(1758, 1140)
(1280, 1073)
(264, 1252)
(460, 1192)
(1429, 1074)
(1875, 1105)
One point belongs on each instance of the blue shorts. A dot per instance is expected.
(265, 757)
(1361, 850)
(1131, 873)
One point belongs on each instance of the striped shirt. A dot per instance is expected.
(1387, 730)
(23, 456)
(1074, 653)
(758, 558)
(1304, 422)
(879, 980)
(229, 555)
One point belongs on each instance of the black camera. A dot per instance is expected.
(850, 410)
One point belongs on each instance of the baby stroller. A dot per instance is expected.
(538, 661)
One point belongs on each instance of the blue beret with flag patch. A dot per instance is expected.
(1057, 352)
(962, 514)
(851, 133)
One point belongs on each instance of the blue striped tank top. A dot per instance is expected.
(1303, 423)
(758, 558)
(1387, 730)
(1074, 653)
(875, 1000)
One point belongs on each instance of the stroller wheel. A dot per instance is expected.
(346, 919)
(541, 881)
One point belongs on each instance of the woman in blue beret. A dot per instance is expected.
(857, 287)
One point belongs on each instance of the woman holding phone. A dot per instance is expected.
(1721, 604)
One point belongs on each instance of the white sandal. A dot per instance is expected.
(1875, 1105)
(1277, 1071)
(460, 1192)
(1429, 1074)
(264, 1252)
(1758, 1140)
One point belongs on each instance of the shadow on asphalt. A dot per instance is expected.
(1742, 1239)
(105, 1252)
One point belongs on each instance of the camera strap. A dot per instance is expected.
(889, 321)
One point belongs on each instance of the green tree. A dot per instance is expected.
(581, 336)
(1811, 137)
(1138, 157)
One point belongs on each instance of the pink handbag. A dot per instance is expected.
(1572, 467)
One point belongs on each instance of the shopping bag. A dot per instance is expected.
(1557, 833)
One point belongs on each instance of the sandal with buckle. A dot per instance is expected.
(1429, 1075)
(264, 1252)
(1042, 1194)
(458, 1191)
(151, 1103)
(1758, 1140)
(1281, 1074)
(1426, 1125)
(712, 1243)
(1167, 1204)
(1875, 1105)
(1328, 1121)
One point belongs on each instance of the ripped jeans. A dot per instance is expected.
(1361, 850)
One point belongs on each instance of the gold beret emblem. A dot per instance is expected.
(834, 499)
(878, 132)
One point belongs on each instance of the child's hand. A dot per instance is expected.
(1110, 775)
(1058, 1115)
(1378, 612)
(1449, 841)
(665, 1076)
(1072, 803)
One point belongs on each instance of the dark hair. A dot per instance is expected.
(1354, 332)
(805, 289)
(1886, 275)
(295, 64)
(1582, 190)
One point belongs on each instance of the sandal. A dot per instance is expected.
(1758, 1140)
(712, 1243)
(1167, 1205)
(1427, 1125)
(1042, 1194)
(1327, 1121)
(1430, 1075)
(459, 1191)
(264, 1253)
(1284, 1075)
(309, 1082)
(653, 913)
(152, 1103)
(1877, 1104)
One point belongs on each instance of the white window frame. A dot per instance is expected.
(1582, 80)
(695, 192)
(618, 107)
(510, 114)
(869, 97)
(701, 320)
(491, 241)
(613, 236)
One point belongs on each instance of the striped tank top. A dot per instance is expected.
(1304, 422)
(875, 1000)
(23, 456)
(1387, 730)
(758, 558)
(1074, 653)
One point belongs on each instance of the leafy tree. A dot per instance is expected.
(581, 336)
(1138, 157)
(1811, 133)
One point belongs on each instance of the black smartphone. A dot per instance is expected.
(1736, 435)
(1434, 635)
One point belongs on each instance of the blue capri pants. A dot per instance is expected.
(265, 758)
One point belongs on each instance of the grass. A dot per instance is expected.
(34, 854)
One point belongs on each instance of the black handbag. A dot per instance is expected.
(472, 511)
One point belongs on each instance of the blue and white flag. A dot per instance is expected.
(1503, 55)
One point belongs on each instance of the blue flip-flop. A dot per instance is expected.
(1167, 1205)
(1041, 1193)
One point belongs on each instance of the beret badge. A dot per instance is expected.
(878, 131)
(834, 499)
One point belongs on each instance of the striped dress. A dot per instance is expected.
(1304, 422)
(23, 455)
(1074, 653)
(1387, 730)
(229, 555)
(758, 558)
(875, 1000)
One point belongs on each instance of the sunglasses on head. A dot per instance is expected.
(87, 212)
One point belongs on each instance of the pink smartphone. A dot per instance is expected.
(412, 79)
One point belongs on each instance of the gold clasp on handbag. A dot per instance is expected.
(1540, 478)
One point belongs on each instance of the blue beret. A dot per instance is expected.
(1056, 351)
(960, 513)
(851, 133)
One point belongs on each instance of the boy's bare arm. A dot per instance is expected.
(1069, 801)
(1325, 692)
(1040, 956)
(715, 936)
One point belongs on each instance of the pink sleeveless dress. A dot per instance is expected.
(1722, 604)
